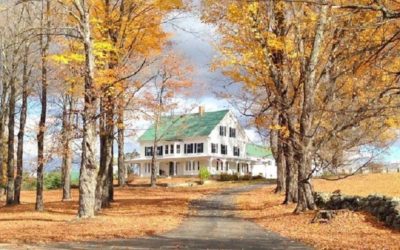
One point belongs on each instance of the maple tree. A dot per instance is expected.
(115, 41)
(322, 85)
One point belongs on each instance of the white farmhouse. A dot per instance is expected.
(205, 139)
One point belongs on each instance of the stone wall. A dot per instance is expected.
(386, 209)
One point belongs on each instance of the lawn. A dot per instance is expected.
(137, 211)
(365, 184)
(349, 230)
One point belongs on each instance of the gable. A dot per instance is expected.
(174, 128)
(230, 121)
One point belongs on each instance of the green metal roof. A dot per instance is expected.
(257, 150)
(174, 128)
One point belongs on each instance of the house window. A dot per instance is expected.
(189, 148)
(222, 130)
(199, 148)
(236, 151)
(232, 132)
(148, 151)
(178, 148)
(224, 149)
(217, 165)
(214, 148)
(198, 165)
(160, 150)
(171, 148)
(166, 149)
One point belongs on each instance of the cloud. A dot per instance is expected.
(193, 39)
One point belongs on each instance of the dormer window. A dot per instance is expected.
(232, 132)
(166, 149)
(171, 149)
(222, 130)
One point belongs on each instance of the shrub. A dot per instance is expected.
(246, 177)
(204, 174)
(228, 177)
(52, 180)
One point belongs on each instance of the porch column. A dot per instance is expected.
(223, 165)
(175, 167)
(250, 167)
(237, 166)
(209, 167)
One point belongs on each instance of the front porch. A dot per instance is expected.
(191, 166)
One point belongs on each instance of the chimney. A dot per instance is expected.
(201, 110)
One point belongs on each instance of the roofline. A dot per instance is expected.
(183, 115)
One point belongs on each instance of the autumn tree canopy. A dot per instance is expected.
(318, 75)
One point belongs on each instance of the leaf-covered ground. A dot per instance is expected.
(348, 230)
(137, 211)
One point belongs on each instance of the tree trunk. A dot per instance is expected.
(21, 133)
(66, 166)
(10, 152)
(106, 137)
(281, 167)
(306, 200)
(3, 115)
(121, 140)
(89, 169)
(287, 146)
(44, 46)
(153, 178)
(277, 152)
(291, 194)
(111, 174)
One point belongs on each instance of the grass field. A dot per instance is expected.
(348, 230)
(365, 184)
(137, 211)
